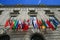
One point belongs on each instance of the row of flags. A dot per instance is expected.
(24, 25)
(16, 24)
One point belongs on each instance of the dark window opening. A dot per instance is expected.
(59, 10)
(15, 13)
(47, 11)
(33, 15)
(1, 12)
(52, 13)
(32, 12)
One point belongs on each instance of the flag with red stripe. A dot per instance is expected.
(50, 25)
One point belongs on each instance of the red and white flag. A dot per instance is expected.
(25, 26)
(7, 23)
(50, 25)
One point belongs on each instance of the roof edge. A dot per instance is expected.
(53, 6)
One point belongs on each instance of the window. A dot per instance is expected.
(15, 13)
(32, 12)
(1, 12)
(47, 11)
(32, 15)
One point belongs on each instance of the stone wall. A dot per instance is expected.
(50, 35)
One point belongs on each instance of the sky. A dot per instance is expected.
(30, 2)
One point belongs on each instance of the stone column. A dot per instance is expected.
(4, 16)
(42, 15)
(23, 14)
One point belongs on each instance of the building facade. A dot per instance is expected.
(28, 12)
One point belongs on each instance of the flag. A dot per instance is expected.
(35, 24)
(43, 23)
(50, 25)
(11, 25)
(46, 24)
(7, 23)
(25, 26)
(28, 21)
(14, 27)
(19, 24)
(54, 23)
(39, 23)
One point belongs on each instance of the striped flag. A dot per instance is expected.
(50, 25)
(28, 21)
(54, 23)
(11, 25)
(14, 27)
(25, 26)
(35, 24)
(38, 23)
(44, 23)
(7, 23)
(17, 22)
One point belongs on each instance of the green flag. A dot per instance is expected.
(43, 22)
(14, 27)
